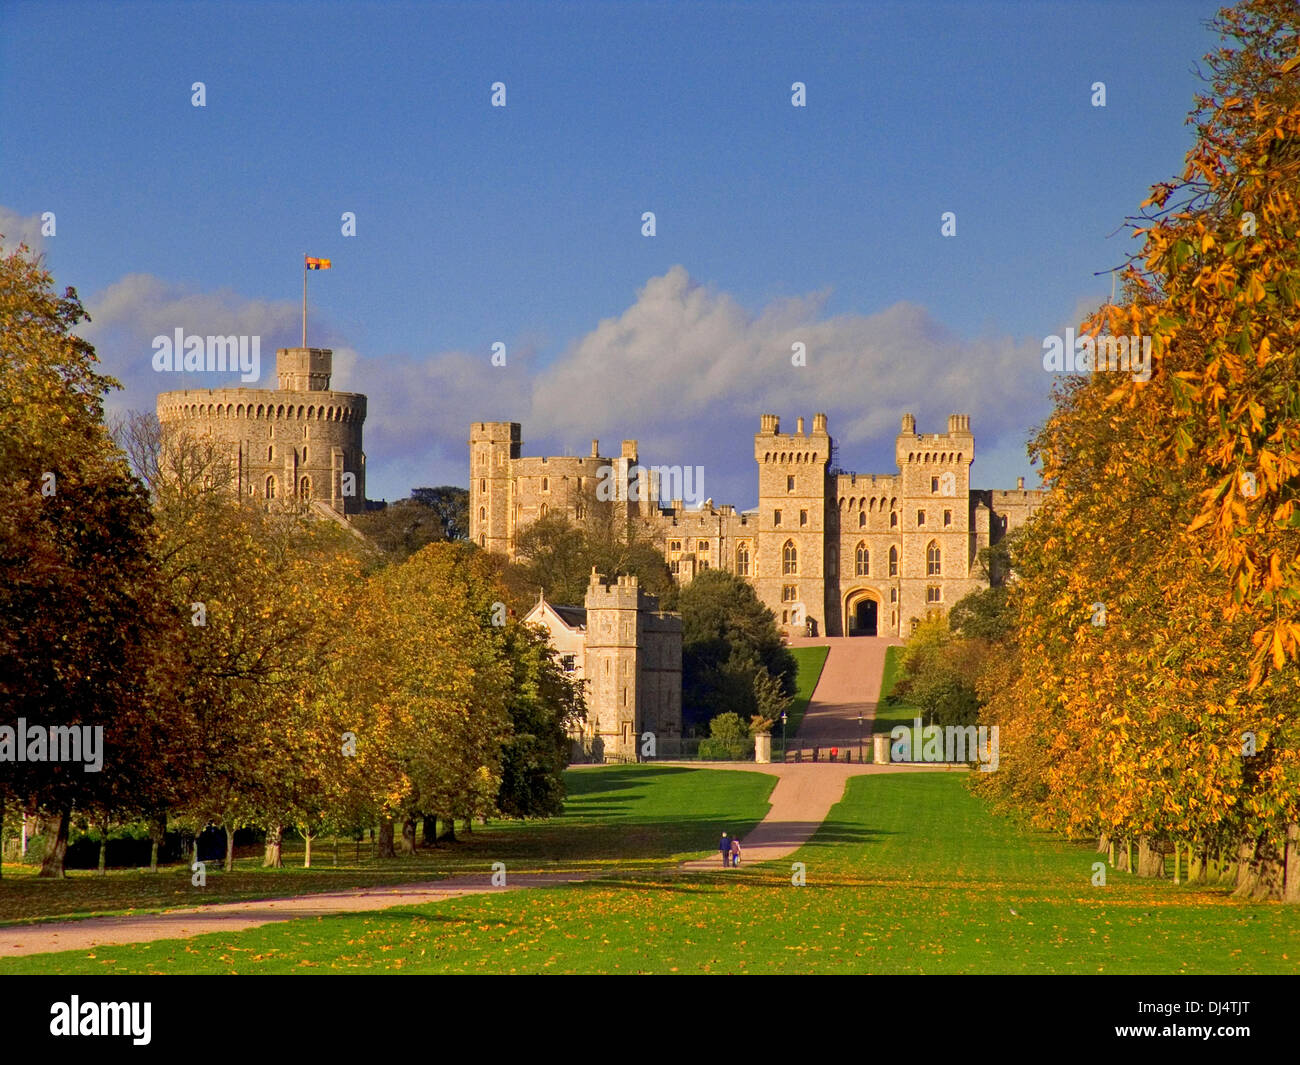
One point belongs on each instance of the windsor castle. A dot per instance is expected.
(829, 551)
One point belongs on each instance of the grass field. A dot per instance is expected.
(633, 818)
(910, 874)
(888, 715)
(810, 661)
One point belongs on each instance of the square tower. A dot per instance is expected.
(493, 447)
(790, 554)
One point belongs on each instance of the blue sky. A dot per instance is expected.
(522, 224)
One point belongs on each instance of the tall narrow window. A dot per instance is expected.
(270, 488)
(790, 558)
(862, 519)
(742, 559)
(304, 488)
(863, 566)
(893, 562)
(776, 518)
(932, 560)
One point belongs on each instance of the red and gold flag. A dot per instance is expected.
(317, 264)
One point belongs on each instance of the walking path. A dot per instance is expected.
(849, 685)
(803, 796)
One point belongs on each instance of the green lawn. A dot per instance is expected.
(889, 714)
(630, 818)
(810, 661)
(910, 874)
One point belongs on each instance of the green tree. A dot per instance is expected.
(729, 641)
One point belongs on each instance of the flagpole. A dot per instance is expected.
(304, 299)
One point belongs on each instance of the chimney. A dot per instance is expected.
(819, 423)
(1020, 483)
(595, 449)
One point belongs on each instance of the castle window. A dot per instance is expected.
(776, 517)
(893, 595)
(932, 594)
(675, 566)
(932, 560)
(482, 484)
(947, 517)
(785, 617)
(482, 513)
(304, 455)
(920, 518)
(893, 562)
(674, 545)
(803, 517)
(304, 488)
(546, 484)
(789, 484)
(789, 593)
(742, 559)
(545, 509)
(934, 485)
(567, 663)
(893, 519)
(482, 540)
(862, 519)
(863, 564)
(702, 546)
(270, 488)
(270, 452)
(790, 558)
(482, 458)
(580, 512)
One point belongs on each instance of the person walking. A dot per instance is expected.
(724, 845)
(735, 853)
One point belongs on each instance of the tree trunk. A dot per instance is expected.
(52, 863)
(430, 831)
(469, 824)
(103, 847)
(1103, 844)
(408, 835)
(274, 837)
(1122, 856)
(230, 849)
(307, 837)
(1245, 880)
(386, 849)
(1151, 859)
(450, 835)
(157, 836)
(1291, 877)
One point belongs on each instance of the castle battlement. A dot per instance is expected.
(837, 552)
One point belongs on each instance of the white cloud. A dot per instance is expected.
(20, 229)
(686, 369)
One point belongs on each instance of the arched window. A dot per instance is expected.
(893, 519)
(863, 564)
(482, 513)
(546, 484)
(270, 452)
(270, 488)
(742, 559)
(545, 508)
(932, 560)
(304, 488)
(893, 562)
(482, 484)
(790, 558)
(304, 455)
(862, 519)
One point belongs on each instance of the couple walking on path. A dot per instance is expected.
(730, 849)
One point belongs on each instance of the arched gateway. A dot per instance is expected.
(862, 612)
